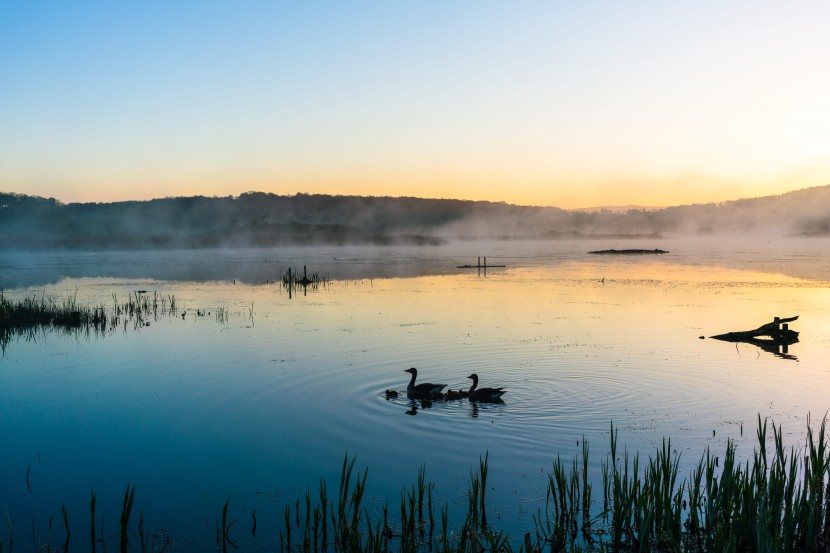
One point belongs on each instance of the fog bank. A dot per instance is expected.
(258, 219)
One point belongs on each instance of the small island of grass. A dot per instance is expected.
(629, 252)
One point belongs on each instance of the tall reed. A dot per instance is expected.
(226, 527)
(92, 503)
(126, 510)
(778, 499)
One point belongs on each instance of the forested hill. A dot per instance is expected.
(260, 219)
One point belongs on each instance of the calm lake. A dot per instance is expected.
(261, 393)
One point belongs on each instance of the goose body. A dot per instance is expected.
(483, 394)
(425, 390)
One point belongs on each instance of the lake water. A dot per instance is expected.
(260, 405)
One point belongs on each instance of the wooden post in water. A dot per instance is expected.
(304, 275)
(485, 262)
(479, 262)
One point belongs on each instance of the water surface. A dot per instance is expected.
(261, 405)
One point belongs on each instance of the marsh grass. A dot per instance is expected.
(767, 503)
(141, 536)
(126, 511)
(66, 526)
(92, 502)
(226, 529)
(11, 532)
(778, 499)
(291, 280)
(32, 316)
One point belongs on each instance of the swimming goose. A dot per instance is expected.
(421, 391)
(483, 394)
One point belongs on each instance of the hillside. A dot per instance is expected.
(261, 219)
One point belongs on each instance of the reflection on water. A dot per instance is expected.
(291, 281)
(34, 315)
(775, 337)
(413, 406)
(775, 347)
(194, 411)
(790, 257)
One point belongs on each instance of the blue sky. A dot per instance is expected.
(547, 103)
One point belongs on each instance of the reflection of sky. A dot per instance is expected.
(549, 103)
(194, 412)
(782, 257)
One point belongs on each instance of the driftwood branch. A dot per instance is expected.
(773, 330)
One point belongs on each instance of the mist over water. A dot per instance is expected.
(257, 407)
(258, 219)
(789, 256)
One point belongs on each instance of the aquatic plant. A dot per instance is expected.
(11, 532)
(226, 527)
(141, 530)
(66, 526)
(92, 503)
(126, 510)
(291, 281)
(32, 315)
(776, 500)
(774, 503)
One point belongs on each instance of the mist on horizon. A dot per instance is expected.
(267, 220)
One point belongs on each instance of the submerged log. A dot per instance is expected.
(628, 252)
(777, 330)
(479, 266)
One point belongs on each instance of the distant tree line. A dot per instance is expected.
(262, 219)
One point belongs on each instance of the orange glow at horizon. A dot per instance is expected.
(574, 106)
(574, 192)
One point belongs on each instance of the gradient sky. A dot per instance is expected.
(572, 104)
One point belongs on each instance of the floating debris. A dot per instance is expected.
(629, 252)
(774, 337)
(777, 330)
(479, 265)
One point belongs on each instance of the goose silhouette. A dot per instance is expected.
(425, 390)
(483, 394)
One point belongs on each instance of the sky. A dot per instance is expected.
(569, 104)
